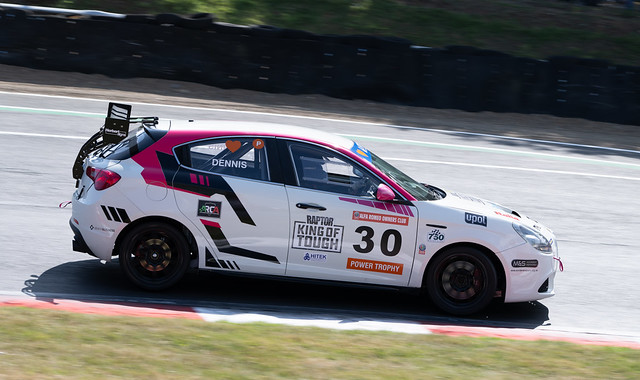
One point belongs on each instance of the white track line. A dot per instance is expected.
(338, 121)
(384, 139)
(219, 315)
(27, 134)
(512, 168)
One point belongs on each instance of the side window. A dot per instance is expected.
(242, 157)
(320, 169)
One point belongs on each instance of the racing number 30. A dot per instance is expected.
(367, 239)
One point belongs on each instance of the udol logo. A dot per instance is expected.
(480, 220)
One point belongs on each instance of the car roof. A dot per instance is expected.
(198, 129)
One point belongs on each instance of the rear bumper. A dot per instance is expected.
(78, 243)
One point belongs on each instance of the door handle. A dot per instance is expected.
(310, 205)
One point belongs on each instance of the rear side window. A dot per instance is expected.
(242, 157)
(130, 146)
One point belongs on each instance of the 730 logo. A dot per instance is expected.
(435, 235)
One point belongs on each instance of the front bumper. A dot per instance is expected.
(530, 273)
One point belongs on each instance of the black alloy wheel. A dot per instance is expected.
(461, 280)
(154, 256)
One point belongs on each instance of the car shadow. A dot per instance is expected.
(89, 280)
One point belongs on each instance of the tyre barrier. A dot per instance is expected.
(266, 58)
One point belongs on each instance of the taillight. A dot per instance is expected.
(102, 178)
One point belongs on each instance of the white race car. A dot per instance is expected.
(288, 201)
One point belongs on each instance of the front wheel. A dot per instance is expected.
(154, 256)
(461, 280)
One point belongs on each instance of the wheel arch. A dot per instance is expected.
(501, 284)
(193, 245)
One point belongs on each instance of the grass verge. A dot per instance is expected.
(47, 343)
(529, 28)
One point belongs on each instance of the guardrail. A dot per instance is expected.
(271, 59)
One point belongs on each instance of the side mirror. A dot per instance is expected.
(384, 193)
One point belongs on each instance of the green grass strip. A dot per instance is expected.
(54, 344)
(536, 29)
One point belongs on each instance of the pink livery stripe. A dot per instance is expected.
(210, 224)
(392, 207)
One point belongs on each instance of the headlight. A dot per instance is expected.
(533, 237)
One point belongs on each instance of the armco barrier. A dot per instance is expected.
(266, 58)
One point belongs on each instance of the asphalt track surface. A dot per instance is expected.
(588, 195)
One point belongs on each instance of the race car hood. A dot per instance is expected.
(474, 204)
(481, 211)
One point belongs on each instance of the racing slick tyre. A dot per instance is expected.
(461, 280)
(154, 256)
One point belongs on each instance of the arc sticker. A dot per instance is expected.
(210, 209)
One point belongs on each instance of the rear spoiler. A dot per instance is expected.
(115, 129)
(116, 125)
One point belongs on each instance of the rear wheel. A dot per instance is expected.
(154, 256)
(461, 280)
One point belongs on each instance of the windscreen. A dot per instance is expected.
(413, 187)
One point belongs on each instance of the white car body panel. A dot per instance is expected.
(260, 228)
(268, 236)
(371, 265)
